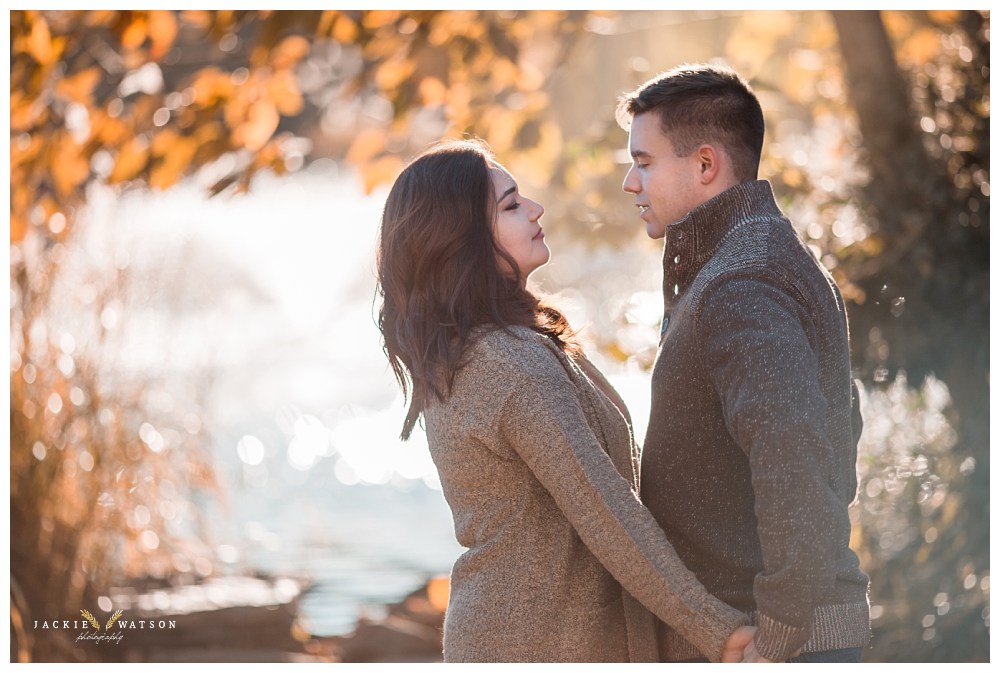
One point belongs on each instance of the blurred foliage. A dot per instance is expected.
(877, 147)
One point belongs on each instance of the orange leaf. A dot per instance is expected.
(197, 17)
(267, 156)
(211, 85)
(345, 30)
(283, 91)
(110, 130)
(98, 17)
(262, 120)
(206, 133)
(366, 145)
(394, 72)
(18, 227)
(438, 591)
(68, 165)
(163, 141)
(162, 32)
(291, 50)
(325, 23)
(432, 91)
(376, 18)
(135, 34)
(132, 158)
(26, 111)
(174, 163)
(40, 42)
(78, 87)
(380, 172)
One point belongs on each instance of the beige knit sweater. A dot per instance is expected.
(531, 457)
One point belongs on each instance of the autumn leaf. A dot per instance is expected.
(345, 30)
(111, 131)
(68, 166)
(132, 158)
(18, 227)
(40, 44)
(162, 32)
(283, 91)
(25, 111)
(211, 85)
(432, 91)
(394, 72)
(438, 592)
(377, 18)
(163, 141)
(174, 162)
(135, 33)
(325, 23)
(199, 18)
(922, 47)
(380, 172)
(261, 122)
(79, 87)
(366, 145)
(291, 50)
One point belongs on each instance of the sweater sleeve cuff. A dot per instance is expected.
(711, 627)
(778, 641)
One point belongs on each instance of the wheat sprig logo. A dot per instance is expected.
(114, 618)
(90, 618)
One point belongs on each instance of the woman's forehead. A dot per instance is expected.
(502, 179)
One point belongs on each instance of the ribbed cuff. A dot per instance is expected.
(778, 641)
(713, 624)
(834, 627)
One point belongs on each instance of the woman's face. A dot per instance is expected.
(516, 226)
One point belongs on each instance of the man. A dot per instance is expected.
(749, 458)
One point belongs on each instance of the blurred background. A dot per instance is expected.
(203, 427)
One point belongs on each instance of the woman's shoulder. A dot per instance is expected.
(519, 348)
(505, 359)
(496, 364)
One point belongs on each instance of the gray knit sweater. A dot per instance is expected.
(749, 459)
(531, 456)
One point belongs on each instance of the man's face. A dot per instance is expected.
(666, 187)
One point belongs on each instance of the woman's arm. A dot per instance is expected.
(544, 423)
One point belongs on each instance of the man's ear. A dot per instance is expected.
(709, 161)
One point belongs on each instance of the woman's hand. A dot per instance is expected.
(740, 640)
(751, 655)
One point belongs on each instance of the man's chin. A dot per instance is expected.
(655, 231)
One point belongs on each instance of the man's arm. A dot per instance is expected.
(756, 349)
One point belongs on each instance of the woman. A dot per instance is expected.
(536, 459)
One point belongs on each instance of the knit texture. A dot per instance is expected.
(749, 458)
(531, 456)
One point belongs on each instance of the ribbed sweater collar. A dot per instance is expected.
(691, 242)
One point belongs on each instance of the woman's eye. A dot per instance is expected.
(514, 205)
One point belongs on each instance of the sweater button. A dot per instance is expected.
(677, 259)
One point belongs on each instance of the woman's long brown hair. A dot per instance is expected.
(438, 272)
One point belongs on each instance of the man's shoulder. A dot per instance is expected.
(769, 245)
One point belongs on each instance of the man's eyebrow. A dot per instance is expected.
(639, 153)
(510, 190)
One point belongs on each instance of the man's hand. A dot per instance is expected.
(737, 643)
